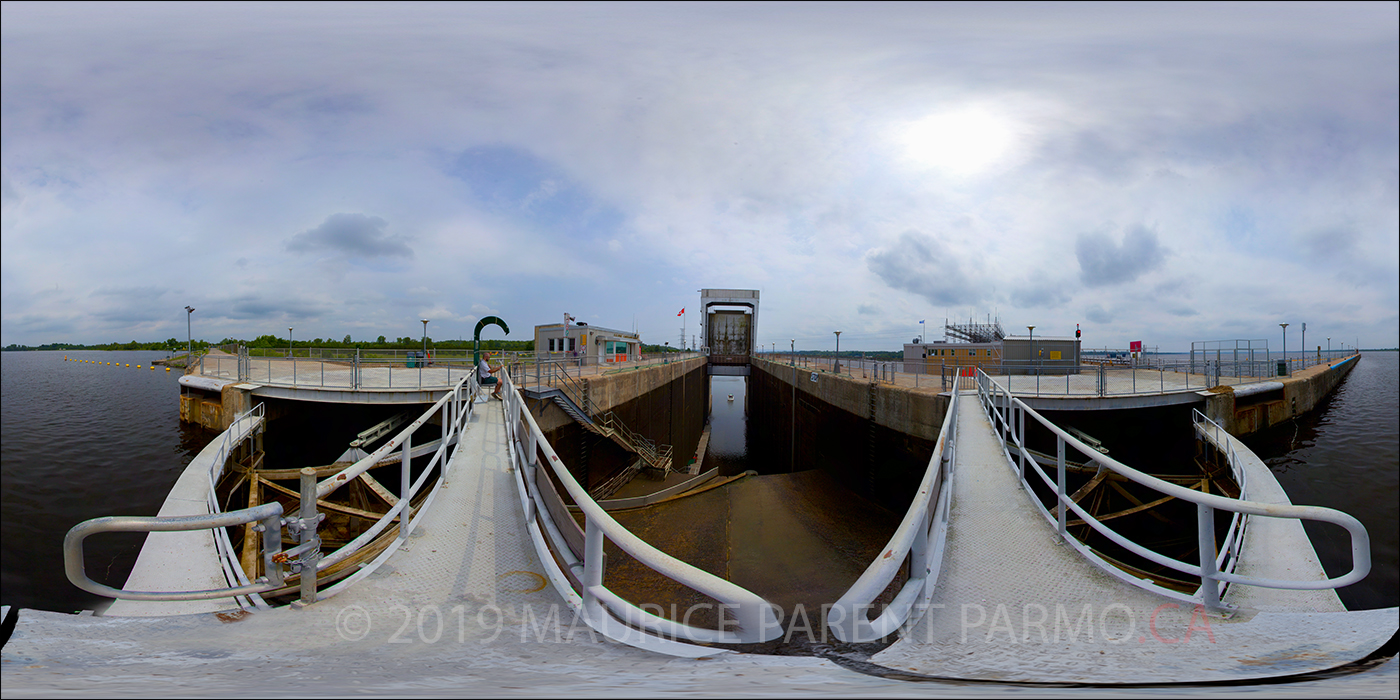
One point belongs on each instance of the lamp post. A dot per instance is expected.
(425, 336)
(1284, 326)
(1329, 348)
(1032, 331)
(1304, 348)
(837, 364)
(289, 341)
(189, 335)
(792, 355)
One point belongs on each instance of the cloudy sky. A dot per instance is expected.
(1164, 173)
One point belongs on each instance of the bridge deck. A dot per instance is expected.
(464, 606)
(1012, 605)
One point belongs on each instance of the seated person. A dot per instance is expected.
(484, 378)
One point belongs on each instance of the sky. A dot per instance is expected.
(1164, 173)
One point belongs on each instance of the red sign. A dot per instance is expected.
(1135, 346)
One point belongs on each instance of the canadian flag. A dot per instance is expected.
(682, 313)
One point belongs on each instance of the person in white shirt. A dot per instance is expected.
(483, 375)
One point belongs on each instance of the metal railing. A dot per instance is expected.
(268, 516)
(353, 368)
(1008, 416)
(269, 519)
(556, 375)
(1146, 375)
(454, 411)
(918, 542)
(580, 580)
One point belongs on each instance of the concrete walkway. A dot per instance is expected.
(463, 608)
(1012, 605)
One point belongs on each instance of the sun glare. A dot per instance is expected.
(960, 142)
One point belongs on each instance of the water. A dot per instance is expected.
(83, 441)
(729, 437)
(1345, 454)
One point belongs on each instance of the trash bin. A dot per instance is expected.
(1282, 368)
(412, 362)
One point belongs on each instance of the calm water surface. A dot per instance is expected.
(82, 441)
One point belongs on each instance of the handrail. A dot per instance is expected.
(454, 420)
(602, 609)
(999, 404)
(920, 539)
(267, 515)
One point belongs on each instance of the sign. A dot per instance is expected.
(814, 376)
(1054, 354)
(1135, 346)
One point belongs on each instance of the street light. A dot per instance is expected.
(1032, 330)
(1284, 326)
(425, 336)
(792, 358)
(189, 336)
(1305, 345)
(838, 351)
(1329, 347)
(289, 341)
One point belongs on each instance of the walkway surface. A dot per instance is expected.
(1012, 605)
(463, 608)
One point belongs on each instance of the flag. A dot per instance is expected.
(920, 321)
(682, 313)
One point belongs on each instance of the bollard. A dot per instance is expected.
(310, 519)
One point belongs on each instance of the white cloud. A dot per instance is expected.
(1150, 171)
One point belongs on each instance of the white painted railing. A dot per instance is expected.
(580, 580)
(1008, 416)
(919, 540)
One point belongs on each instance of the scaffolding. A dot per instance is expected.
(974, 332)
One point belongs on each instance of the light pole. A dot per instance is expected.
(289, 341)
(1329, 348)
(425, 336)
(1032, 330)
(189, 335)
(838, 351)
(792, 355)
(1305, 345)
(1284, 326)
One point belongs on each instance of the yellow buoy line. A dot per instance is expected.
(112, 364)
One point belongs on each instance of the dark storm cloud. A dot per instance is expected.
(356, 235)
(920, 264)
(1103, 262)
(259, 308)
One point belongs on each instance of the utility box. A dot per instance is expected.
(1283, 368)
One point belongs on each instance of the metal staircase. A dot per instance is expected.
(571, 396)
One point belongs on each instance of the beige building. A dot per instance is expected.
(931, 356)
(584, 343)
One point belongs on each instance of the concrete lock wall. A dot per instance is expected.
(875, 439)
(1253, 410)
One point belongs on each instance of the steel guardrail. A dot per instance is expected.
(267, 515)
(599, 606)
(919, 540)
(1003, 408)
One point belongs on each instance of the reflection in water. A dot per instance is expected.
(729, 435)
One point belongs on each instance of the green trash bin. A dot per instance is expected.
(414, 363)
(1282, 368)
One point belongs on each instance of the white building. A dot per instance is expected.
(590, 344)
